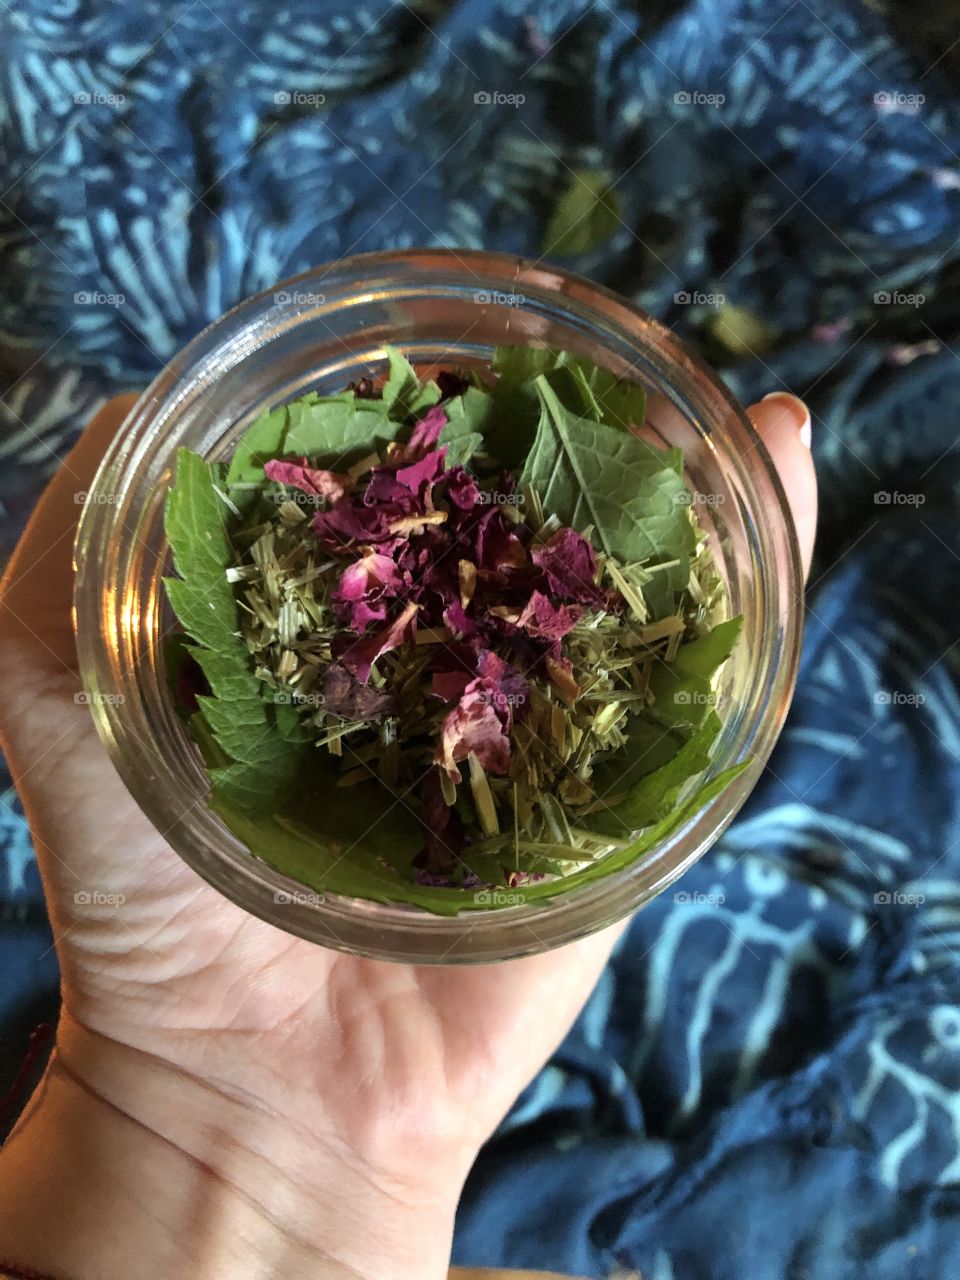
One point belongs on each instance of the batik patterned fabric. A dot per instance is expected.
(765, 1084)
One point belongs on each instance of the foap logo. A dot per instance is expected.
(95, 99)
(897, 498)
(94, 298)
(292, 697)
(496, 498)
(898, 698)
(694, 98)
(298, 98)
(684, 298)
(83, 496)
(492, 297)
(494, 98)
(891, 102)
(897, 298)
(298, 299)
(96, 699)
(98, 898)
(689, 498)
(693, 898)
(694, 698)
(897, 898)
(298, 898)
(498, 898)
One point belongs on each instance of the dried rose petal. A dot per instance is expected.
(349, 523)
(570, 567)
(344, 695)
(541, 618)
(474, 725)
(462, 489)
(331, 485)
(358, 654)
(424, 436)
(450, 685)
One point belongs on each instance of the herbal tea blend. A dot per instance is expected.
(452, 641)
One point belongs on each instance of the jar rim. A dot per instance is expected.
(109, 609)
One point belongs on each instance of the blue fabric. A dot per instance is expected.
(765, 1084)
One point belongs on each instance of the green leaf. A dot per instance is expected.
(523, 364)
(625, 488)
(586, 215)
(241, 722)
(683, 702)
(654, 795)
(334, 431)
(403, 393)
(645, 843)
(705, 655)
(368, 842)
(262, 440)
(468, 417)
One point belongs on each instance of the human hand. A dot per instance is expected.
(318, 1112)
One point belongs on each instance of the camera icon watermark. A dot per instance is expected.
(897, 898)
(297, 298)
(898, 698)
(694, 698)
(897, 498)
(98, 898)
(85, 699)
(93, 98)
(298, 98)
(684, 298)
(892, 102)
(492, 297)
(694, 898)
(298, 898)
(498, 898)
(94, 298)
(897, 298)
(690, 498)
(694, 98)
(494, 98)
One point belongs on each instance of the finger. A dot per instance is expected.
(36, 594)
(783, 422)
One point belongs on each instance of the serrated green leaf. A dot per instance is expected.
(334, 431)
(629, 491)
(586, 215)
(467, 419)
(403, 393)
(644, 843)
(242, 724)
(263, 439)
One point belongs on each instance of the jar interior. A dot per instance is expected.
(280, 351)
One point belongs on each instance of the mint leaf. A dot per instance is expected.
(335, 431)
(403, 393)
(705, 655)
(263, 440)
(241, 723)
(586, 215)
(366, 848)
(468, 417)
(626, 489)
(644, 843)
(683, 703)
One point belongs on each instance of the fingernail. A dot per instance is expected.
(794, 407)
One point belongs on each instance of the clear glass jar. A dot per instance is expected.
(320, 331)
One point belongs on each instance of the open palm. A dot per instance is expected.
(377, 1057)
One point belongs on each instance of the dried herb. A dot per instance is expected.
(478, 609)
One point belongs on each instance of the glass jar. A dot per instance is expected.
(319, 331)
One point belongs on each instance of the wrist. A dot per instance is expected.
(143, 1170)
